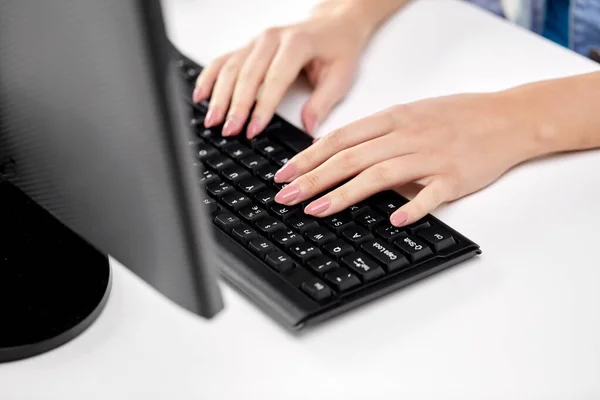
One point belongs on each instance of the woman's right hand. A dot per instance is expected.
(326, 47)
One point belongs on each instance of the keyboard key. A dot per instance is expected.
(266, 197)
(391, 204)
(297, 276)
(226, 221)
(244, 234)
(439, 238)
(279, 261)
(415, 227)
(338, 248)
(197, 123)
(388, 231)
(357, 235)
(208, 177)
(269, 149)
(319, 236)
(302, 223)
(204, 151)
(211, 205)
(253, 162)
(207, 133)
(267, 173)
(237, 150)
(282, 157)
(268, 225)
(342, 279)
(387, 255)
(317, 289)
(220, 141)
(234, 174)
(219, 189)
(251, 186)
(218, 162)
(356, 209)
(413, 248)
(280, 185)
(292, 139)
(365, 267)
(261, 247)
(322, 264)
(367, 218)
(252, 213)
(284, 212)
(236, 201)
(287, 238)
(304, 251)
(338, 222)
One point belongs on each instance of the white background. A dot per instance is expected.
(520, 321)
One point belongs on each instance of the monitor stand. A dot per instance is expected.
(53, 284)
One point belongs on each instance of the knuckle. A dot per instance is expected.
(335, 139)
(303, 160)
(231, 67)
(295, 37)
(310, 181)
(345, 159)
(343, 196)
(239, 106)
(271, 34)
(382, 173)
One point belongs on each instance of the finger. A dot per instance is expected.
(342, 166)
(223, 88)
(294, 52)
(382, 176)
(423, 203)
(207, 78)
(350, 135)
(330, 89)
(251, 75)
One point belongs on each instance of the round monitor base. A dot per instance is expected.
(53, 284)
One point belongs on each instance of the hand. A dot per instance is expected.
(326, 47)
(451, 146)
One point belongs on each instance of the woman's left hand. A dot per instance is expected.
(451, 146)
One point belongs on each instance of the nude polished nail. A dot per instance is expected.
(285, 173)
(399, 218)
(287, 194)
(317, 206)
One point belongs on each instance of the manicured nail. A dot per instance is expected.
(317, 206)
(232, 125)
(211, 117)
(315, 140)
(287, 194)
(399, 218)
(311, 122)
(197, 95)
(286, 173)
(254, 128)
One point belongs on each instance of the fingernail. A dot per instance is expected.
(285, 173)
(317, 206)
(315, 140)
(211, 117)
(399, 218)
(287, 194)
(311, 122)
(197, 95)
(254, 128)
(232, 125)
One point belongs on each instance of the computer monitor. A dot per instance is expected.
(93, 129)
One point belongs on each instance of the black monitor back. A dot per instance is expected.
(92, 129)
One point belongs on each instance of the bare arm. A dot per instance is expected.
(367, 15)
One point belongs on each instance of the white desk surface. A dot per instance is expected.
(521, 321)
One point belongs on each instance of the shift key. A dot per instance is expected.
(381, 251)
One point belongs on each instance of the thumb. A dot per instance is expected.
(331, 87)
(429, 198)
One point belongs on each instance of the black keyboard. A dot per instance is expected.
(305, 269)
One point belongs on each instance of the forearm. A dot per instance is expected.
(565, 113)
(366, 15)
